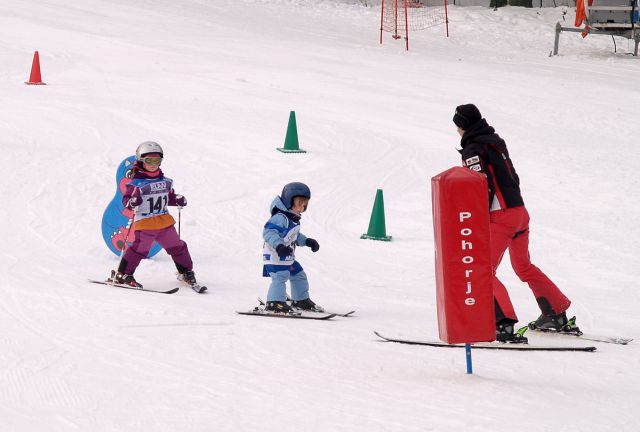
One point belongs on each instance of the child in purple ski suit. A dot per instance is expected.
(148, 195)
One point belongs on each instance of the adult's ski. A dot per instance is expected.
(571, 329)
(109, 283)
(296, 315)
(488, 345)
(321, 310)
(585, 336)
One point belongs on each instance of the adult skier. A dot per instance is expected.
(483, 150)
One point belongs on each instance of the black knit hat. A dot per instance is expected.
(466, 116)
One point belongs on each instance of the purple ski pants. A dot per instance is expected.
(167, 238)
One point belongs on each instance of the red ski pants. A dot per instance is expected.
(510, 230)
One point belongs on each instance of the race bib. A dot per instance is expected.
(155, 198)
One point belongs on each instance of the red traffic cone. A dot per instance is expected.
(35, 78)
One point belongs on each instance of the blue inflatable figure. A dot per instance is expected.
(116, 218)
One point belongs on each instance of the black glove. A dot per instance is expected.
(312, 244)
(283, 251)
(134, 201)
(181, 201)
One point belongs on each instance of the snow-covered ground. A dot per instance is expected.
(213, 81)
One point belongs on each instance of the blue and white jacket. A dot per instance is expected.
(282, 228)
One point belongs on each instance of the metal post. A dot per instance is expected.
(381, 20)
(557, 41)
(446, 16)
(406, 23)
(396, 36)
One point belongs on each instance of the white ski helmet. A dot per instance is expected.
(148, 147)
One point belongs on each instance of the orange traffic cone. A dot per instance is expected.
(35, 78)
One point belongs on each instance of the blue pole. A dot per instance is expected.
(467, 348)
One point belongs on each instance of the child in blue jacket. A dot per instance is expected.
(281, 236)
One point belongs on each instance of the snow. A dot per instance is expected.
(214, 81)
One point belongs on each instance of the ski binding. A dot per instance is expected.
(319, 310)
(260, 311)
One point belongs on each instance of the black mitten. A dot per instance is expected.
(283, 251)
(312, 244)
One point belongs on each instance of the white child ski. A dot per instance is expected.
(110, 283)
(200, 289)
(257, 311)
(321, 310)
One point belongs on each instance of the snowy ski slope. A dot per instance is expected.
(213, 81)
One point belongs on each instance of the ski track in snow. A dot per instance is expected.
(213, 82)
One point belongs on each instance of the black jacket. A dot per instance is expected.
(484, 151)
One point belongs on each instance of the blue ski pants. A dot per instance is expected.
(278, 289)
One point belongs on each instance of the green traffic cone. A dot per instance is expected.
(377, 230)
(291, 140)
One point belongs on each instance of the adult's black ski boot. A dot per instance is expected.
(505, 334)
(555, 323)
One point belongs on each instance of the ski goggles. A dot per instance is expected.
(152, 160)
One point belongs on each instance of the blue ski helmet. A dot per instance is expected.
(294, 189)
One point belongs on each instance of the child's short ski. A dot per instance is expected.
(313, 316)
(348, 314)
(200, 289)
(489, 345)
(109, 283)
(340, 314)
